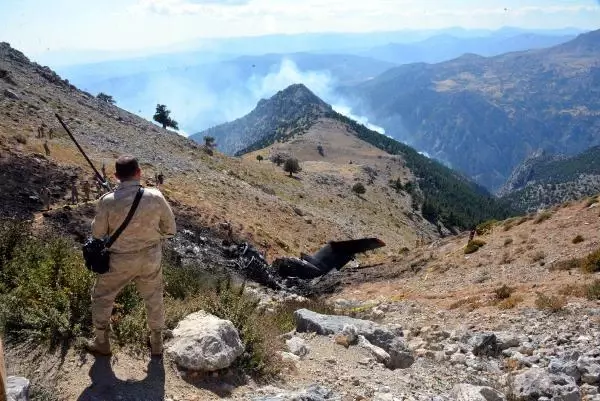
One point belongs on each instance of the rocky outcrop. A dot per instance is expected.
(309, 321)
(204, 342)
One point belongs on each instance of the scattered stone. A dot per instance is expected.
(400, 355)
(378, 353)
(569, 368)
(589, 369)
(484, 344)
(204, 342)
(312, 393)
(297, 346)
(537, 382)
(17, 388)
(468, 392)
(10, 94)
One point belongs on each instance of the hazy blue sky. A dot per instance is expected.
(37, 26)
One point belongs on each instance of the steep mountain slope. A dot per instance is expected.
(256, 200)
(446, 47)
(270, 118)
(442, 194)
(544, 180)
(485, 115)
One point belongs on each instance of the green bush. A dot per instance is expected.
(473, 246)
(45, 291)
(359, 188)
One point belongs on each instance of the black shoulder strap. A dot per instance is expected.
(136, 202)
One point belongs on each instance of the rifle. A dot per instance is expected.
(101, 179)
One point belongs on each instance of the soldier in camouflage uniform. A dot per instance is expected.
(134, 257)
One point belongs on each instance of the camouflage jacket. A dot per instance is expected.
(152, 221)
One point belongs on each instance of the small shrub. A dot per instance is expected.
(538, 256)
(593, 291)
(279, 158)
(473, 246)
(568, 264)
(550, 303)
(259, 158)
(508, 241)
(20, 138)
(591, 201)
(573, 290)
(591, 263)
(543, 216)
(471, 303)
(510, 302)
(486, 227)
(359, 188)
(578, 239)
(503, 292)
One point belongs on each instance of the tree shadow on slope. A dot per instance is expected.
(106, 386)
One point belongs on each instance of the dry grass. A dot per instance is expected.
(593, 291)
(469, 303)
(508, 241)
(510, 302)
(541, 217)
(538, 256)
(591, 201)
(573, 290)
(506, 258)
(591, 263)
(550, 303)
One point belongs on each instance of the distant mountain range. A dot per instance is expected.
(440, 193)
(446, 47)
(484, 116)
(544, 180)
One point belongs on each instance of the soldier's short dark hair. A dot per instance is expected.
(126, 167)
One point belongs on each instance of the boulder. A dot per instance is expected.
(297, 346)
(378, 353)
(484, 344)
(17, 388)
(309, 321)
(204, 342)
(568, 368)
(507, 340)
(535, 383)
(400, 355)
(589, 369)
(468, 392)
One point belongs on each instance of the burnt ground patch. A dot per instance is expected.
(22, 179)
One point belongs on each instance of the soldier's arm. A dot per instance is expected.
(100, 223)
(167, 219)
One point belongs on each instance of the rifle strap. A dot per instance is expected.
(136, 202)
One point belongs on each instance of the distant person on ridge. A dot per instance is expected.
(134, 257)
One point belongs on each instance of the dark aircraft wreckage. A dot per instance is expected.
(334, 255)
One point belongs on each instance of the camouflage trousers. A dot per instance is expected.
(144, 269)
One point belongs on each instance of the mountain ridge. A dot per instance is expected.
(479, 115)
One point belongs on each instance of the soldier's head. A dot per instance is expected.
(127, 168)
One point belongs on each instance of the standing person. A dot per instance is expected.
(86, 190)
(46, 148)
(134, 257)
(74, 191)
(46, 197)
(161, 178)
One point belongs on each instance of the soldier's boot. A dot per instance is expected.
(101, 343)
(156, 342)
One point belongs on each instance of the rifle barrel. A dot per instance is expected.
(98, 175)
